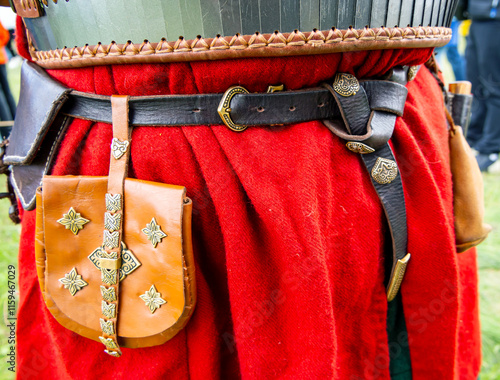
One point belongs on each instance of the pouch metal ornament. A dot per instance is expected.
(169, 265)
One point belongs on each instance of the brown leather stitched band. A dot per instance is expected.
(257, 45)
(110, 265)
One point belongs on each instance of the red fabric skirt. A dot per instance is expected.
(289, 236)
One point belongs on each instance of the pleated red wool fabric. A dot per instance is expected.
(289, 236)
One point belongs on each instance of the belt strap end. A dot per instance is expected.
(397, 277)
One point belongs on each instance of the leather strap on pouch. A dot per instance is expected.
(110, 261)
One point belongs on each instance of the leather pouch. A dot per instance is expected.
(169, 266)
(468, 198)
(114, 254)
(468, 191)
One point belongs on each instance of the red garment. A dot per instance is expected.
(289, 236)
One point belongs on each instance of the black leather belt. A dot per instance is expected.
(246, 109)
(361, 112)
(272, 108)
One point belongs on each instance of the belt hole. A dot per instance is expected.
(320, 105)
(260, 109)
(196, 110)
(292, 108)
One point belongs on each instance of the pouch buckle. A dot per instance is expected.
(224, 108)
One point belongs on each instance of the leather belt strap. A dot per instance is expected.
(284, 107)
(248, 109)
(368, 125)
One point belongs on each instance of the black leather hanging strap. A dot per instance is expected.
(368, 118)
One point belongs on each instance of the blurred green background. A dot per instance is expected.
(488, 258)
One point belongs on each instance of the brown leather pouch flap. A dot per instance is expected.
(40, 100)
(167, 267)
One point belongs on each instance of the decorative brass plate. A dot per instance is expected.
(109, 343)
(412, 72)
(73, 281)
(345, 84)
(113, 202)
(108, 309)
(358, 147)
(112, 222)
(107, 327)
(108, 276)
(73, 221)
(129, 262)
(118, 148)
(108, 294)
(384, 171)
(116, 354)
(153, 232)
(153, 299)
(110, 239)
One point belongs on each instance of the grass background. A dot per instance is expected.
(489, 281)
(488, 260)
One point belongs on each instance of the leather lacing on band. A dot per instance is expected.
(237, 46)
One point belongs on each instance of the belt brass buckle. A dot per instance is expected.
(224, 108)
